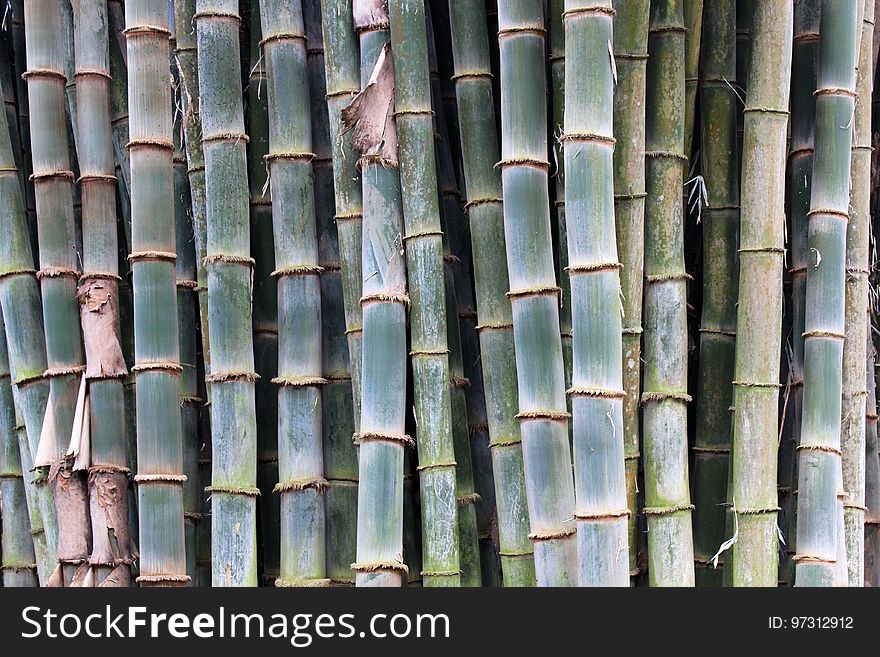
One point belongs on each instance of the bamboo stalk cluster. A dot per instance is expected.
(438, 293)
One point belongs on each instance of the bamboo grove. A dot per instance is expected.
(327, 293)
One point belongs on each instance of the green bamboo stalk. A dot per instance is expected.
(872, 476)
(461, 335)
(340, 455)
(300, 452)
(752, 493)
(186, 58)
(483, 183)
(112, 551)
(233, 419)
(534, 295)
(858, 233)
(630, 56)
(67, 40)
(720, 219)
(119, 116)
(342, 67)
(53, 185)
(157, 353)
(383, 390)
(664, 397)
(693, 23)
(24, 128)
(187, 321)
(429, 325)
(20, 301)
(819, 473)
(265, 297)
(800, 173)
(7, 86)
(556, 45)
(597, 350)
(17, 560)
(45, 560)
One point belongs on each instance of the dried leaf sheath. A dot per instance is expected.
(383, 378)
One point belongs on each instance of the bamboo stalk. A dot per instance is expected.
(233, 419)
(17, 559)
(819, 558)
(160, 454)
(20, 301)
(664, 396)
(53, 186)
(753, 495)
(597, 353)
(852, 438)
(483, 183)
(186, 60)
(534, 295)
(872, 476)
(630, 56)
(265, 304)
(300, 452)
(112, 551)
(119, 114)
(382, 421)
(340, 455)
(720, 219)
(428, 318)
(693, 23)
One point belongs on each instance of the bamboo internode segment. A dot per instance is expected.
(664, 396)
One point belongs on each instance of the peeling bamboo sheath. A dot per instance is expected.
(17, 559)
(630, 56)
(57, 244)
(99, 304)
(534, 295)
(473, 84)
(664, 397)
(300, 434)
(800, 172)
(160, 456)
(856, 320)
(20, 300)
(233, 418)
(427, 316)
(383, 378)
(820, 538)
(720, 221)
(340, 454)
(597, 353)
(753, 561)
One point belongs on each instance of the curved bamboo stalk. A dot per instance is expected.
(17, 560)
(597, 350)
(819, 542)
(720, 218)
(383, 384)
(112, 550)
(753, 495)
(479, 146)
(534, 294)
(340, 455)
(630, 56)
(265, 304)
(233, 419)
(858, 234)
(20, 301)
(53, 186)
(160, 455)
(300, 400)
(664, 396)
